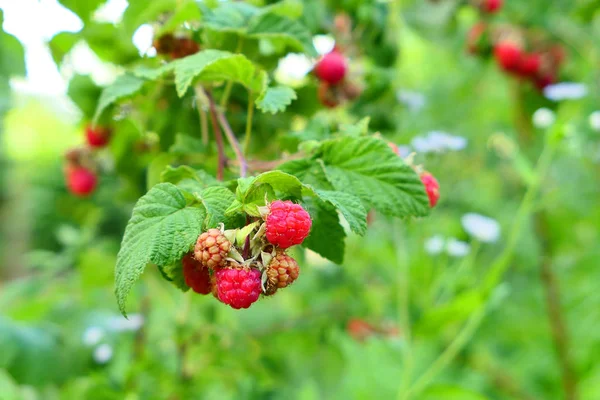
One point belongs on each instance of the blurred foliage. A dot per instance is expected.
(59, 252)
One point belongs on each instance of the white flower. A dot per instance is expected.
(120, 324)
(434, 245)
(482, 228)
(293, 68)
(323, 43)
(457, 248)
(103, 353)
(415, 101)
(543, 118)
(565, 91)
(437, 141)
(595, 121)
(92, 335)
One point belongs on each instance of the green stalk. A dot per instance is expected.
(249, 117)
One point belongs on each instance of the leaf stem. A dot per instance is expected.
(203, 124)
(229, 85)
(237, 149)
(222, 159)
(249, 117)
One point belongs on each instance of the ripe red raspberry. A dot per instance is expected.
(508, 56)
(288, 224)
(530, 64)
(492, 6)
(211, 249)
(331, 68)
(282, 271)
(544, 80)
(196, 275)
(238, 287)
(432, 187)
(97, 136)
(81, 181)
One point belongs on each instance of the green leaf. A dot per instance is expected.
(215, 66)
(351, 208)
(284, 185)
(450, 392)
(174, 273)
(140, 12)
(83, 9)
(309, 171)
(85, 94)
(12, 55)
(188, 178)
(61, 44)
(367, 168)
(125, 86)
(156, 168)
(228, 17)
(185, 11)
(276, 99)
(161, 230)
(326, 234)
(361, 128)
(217, 200)
(279, 28)
(286, 8)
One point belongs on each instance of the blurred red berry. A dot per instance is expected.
(81, 181)
(508, 56)
(530, 64)
(492, 6)
(97, 136)
(359, 329)
(432, 187)
(196, 275)
(331, 68)
(287, 224)
(238, 287)
(544, 80)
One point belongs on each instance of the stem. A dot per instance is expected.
(222, 160)
(229, 85)
(494, 275)
(203, 124)
(239, 155)
(249, 117)
(404, 307)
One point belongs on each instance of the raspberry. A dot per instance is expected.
(165, 43)
(544, 80)
(331, 68)
(184, 47)
(508, 56)
(530, 64)
(282, 271)
(287, 224)
(492, 6)
(97, 137)
(238, 287)
(432, 187)
(196, 275)
(211, 249)
(81, 181)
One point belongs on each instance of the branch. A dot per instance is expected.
(218, 136)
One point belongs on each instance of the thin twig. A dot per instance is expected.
(230, 137)
(203, 124)
(218, 135)
(249, 123)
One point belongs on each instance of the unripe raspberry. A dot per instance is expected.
(287, 224)
(508, 56)
(327, 96)
(165, 44)
(282, 271)
(212, 248)
(97, 136)
(491, 6)
(81, 181)
(184, 47)
(238, 287)
(196, 275)
(432, 187)
(331, 68)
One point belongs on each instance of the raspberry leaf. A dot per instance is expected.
(174, 273)
(281, 29)
(351, 208)
(326, 234)
(217, 199)
(276, 99)
(228, 17)
(125, 86)
(161, 230)
(216, 65)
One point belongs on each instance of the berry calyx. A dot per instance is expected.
(211, 249)
(81, 181)
(282, 271)
(238, 287)
(287, 224)
(331, 68)
(492, 6)
(196, 275)
(432, 187)
(97, 136)
(508, 56)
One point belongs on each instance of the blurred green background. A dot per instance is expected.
(359, 330)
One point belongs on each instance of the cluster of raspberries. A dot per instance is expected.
(80, 168)
(526, 55)
(237, 266)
